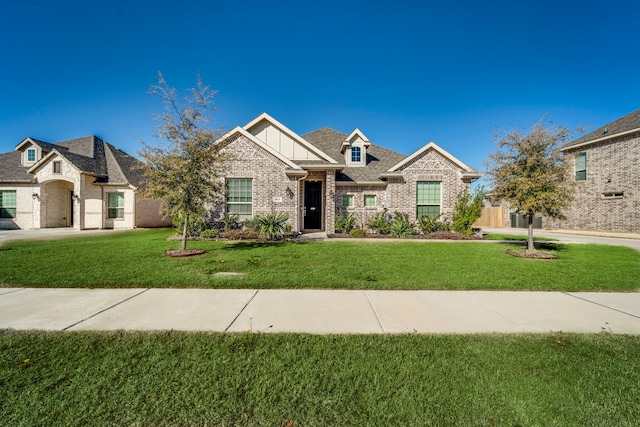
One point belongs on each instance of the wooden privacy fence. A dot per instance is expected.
(492, 216)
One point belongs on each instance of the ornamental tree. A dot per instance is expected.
(530, 172)
(183, 169)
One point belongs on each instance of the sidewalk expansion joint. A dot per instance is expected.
(241, 310)
(105, 309)
(602, 305)
(374, 311)
(12, 292)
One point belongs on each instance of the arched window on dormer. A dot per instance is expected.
(356, 155)
(355, 149)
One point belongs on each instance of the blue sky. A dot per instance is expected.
(403, 72)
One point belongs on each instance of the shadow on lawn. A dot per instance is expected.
(264, 244)
(547, 246)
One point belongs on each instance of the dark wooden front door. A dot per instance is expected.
(313, 205)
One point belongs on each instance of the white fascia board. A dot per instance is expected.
(259, 143)
(292, 134)
(360, 183)
(357, 132)
(436, 147)
(51, 154)
(24, 142)
(593, 141)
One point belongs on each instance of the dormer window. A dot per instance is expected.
(31, 155)
(355, 149)
(356, 155)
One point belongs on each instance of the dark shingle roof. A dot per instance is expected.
(629, 122)
(11, 170)
(90, 154)
(379, 159)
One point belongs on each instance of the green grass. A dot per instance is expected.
(516, 237)
(134, 259)
(171, 378)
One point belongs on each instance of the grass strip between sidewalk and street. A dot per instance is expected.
(135, 259)
(176, 378)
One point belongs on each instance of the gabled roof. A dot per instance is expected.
(242, 131)
(623, 126)
(291, 134)
(89, 155)
(378, 160)
(356, 133)
(435, 147)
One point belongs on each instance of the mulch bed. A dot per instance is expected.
(179, 253)
(534, 255)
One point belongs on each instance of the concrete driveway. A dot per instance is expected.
(48, 233)
(565, 236)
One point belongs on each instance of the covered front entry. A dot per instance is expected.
(56, 204)
(313, 205)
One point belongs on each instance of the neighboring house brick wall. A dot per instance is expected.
(148, 213)
(91, 204)
(612, 166)
(24, 207)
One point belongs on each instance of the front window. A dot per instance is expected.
(428, 199)
(581, 167)
(356, 155)
(240, 197)
(7, 204)
(347, 201)
(115, 207)
(57, 167)
(31, 155)
(370, 201)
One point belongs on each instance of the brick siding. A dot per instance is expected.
(613, 166)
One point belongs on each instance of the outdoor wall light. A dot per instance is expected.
(35, 195)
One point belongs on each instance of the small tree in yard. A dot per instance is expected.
(183, 170)
(529, 171)
(467, 210)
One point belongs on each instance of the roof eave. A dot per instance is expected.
(604, 138)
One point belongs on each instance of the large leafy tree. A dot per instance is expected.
(182, 170)
(530, 172)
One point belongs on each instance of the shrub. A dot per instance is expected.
(401, 227)
(240, 235)
(467, 210)
(380, 223)
(273, 226)
(230, 221)
(427, 224)
(210, 233)
(195, 226)
(357, 232)
(345, 222)
(251, 224)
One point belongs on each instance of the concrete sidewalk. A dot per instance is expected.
(318, 311)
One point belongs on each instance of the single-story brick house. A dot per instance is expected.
(313, 176)
(82, 183)
(607, 173)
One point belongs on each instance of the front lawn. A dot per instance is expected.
(174, 378)
(134, 259)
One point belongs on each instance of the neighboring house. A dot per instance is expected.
(82, 183)
(311, 177)
(607, 173)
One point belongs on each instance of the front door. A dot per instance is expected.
(313, 205)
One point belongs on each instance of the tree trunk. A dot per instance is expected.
(530, 248)
(184, 231)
